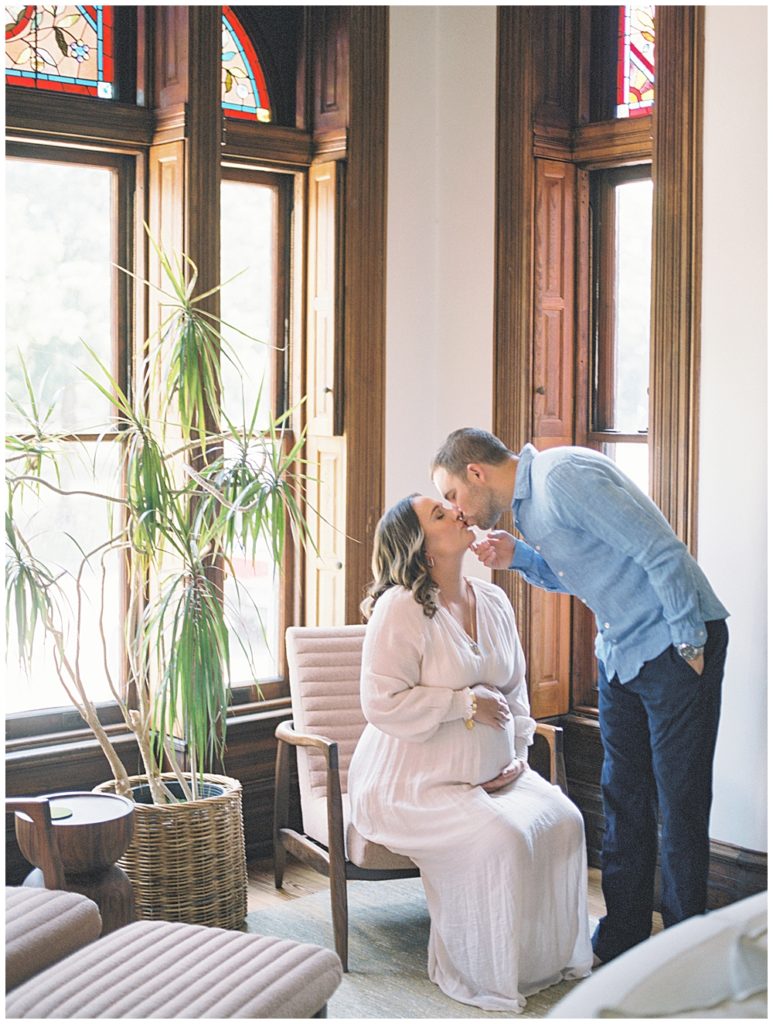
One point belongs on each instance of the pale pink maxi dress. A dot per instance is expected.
(505, 874)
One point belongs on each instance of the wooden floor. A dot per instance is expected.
(300, 880)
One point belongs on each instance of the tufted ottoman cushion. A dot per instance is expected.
(154, 969)
(43, 926)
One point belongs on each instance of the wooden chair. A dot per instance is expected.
(324, 669)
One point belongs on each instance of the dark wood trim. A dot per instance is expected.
(676, 262)
(365, 291)
(619, 142)
(266, 143)
(514, 254)
(80, 120)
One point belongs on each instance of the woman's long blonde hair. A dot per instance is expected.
(400, 560)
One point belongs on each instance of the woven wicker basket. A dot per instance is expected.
(186, 861)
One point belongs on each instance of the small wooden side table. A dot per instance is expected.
(92, 830)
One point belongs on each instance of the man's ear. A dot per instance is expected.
(476, 472)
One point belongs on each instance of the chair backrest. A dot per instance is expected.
(324, 668)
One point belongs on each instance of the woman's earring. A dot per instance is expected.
(430, 561)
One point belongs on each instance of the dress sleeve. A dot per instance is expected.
(515, 691)
(392, 696)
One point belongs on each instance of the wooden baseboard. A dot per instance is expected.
(734, 872)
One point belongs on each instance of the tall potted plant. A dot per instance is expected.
(187, 496)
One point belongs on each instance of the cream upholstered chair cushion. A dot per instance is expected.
(43, 926)
(153, 969)
(324, 668)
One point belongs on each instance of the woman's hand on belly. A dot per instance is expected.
(507, 775)
(492, 708)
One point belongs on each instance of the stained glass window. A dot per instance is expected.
(244, 92)
(636, 61)
(67, 49)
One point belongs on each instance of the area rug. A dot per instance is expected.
(388, 935)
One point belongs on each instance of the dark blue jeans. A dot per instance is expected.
(659, 732)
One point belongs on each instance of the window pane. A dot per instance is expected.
(636, 60)
(248, 240)
(249, 303)
(632, 321)
(61, 48)
(58, 286)
(244, 93)
(45, 524)
(633, 460)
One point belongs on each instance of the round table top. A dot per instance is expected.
(89, 808)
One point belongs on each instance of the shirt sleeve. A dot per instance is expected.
(392, 696)
(515, 691)
(591, 498)
(534, 569)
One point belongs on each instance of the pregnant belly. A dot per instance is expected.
(490, 751)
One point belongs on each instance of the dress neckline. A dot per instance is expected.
(471, 642)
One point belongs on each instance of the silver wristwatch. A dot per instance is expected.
(689, 652)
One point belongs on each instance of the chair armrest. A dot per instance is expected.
(553, 735)
(285, 733)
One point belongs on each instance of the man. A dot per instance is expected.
(661, 644)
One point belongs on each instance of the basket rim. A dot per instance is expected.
(232, 787)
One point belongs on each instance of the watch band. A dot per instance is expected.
(689, 651)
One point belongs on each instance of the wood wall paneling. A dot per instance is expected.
(365, 290)
(676, 262)
(514, 290)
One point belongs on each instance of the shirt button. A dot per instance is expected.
(606, 625)
(560, 574)
(538, 548)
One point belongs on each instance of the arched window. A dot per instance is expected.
(244, 91)
(66, 49)
(636, 60)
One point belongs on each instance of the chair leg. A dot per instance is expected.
(280, 861)
(281, 805)
(340, 908)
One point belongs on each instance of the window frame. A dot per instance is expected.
(543, 112)
(122, 315)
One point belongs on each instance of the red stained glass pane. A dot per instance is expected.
(636, 61)
(244, 93)
(60, 48)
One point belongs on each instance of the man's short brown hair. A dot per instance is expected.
(466, 445)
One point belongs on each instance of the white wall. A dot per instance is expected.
(733, 397)
(440, 231)
(440, 267)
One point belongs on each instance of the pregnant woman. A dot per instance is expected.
(440, 773)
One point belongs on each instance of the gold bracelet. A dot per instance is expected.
(473, 711)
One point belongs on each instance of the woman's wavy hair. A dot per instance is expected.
(400, 560)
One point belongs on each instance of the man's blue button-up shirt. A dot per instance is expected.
(589, 531)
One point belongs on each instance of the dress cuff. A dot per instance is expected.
(524, 735)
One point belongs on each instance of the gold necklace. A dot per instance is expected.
(468, 634)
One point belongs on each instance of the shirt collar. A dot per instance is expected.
(523, 472)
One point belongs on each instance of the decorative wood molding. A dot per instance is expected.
(75, 120)
(601, 144)
(553, 142)
(514, 247)
(267, 144)
(331, 145)
(365, 293)
(676, 260)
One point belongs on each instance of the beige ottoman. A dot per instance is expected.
(153, 969)
(43, 926)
